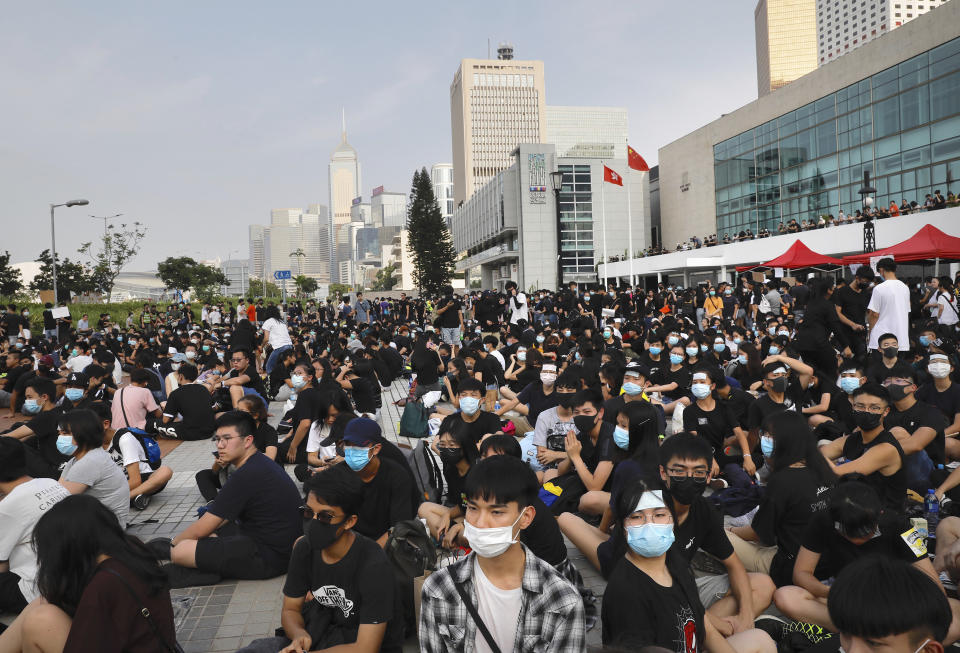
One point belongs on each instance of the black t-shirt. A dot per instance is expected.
(765, 406)
(842, 409)
(714, 426)
(309, 405)
(543, 535)
(915, 417)
(593, 454)
(254, 382)
(265, 436)
(49, 322)
(425, 365)
(792, 496)
(702, 529)
(656, 367)
(264, 502)
(638, 612)
(485, 423)
(386, 500)
(739, 402)
(897, 540)
(536, 401)
(44, 426)
(947, 402)
(193, 401)
(892, 489)
(346, 593)
(681, 377)
(450, 318)
(877, 371)
(852, 304)
(364, 391)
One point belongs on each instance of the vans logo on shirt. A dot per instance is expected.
(331, 596)
(689, 544)
(702, 421)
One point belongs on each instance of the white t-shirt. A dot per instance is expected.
(318, 433)
(891, 301)
(19, 512)
(130, 452)
(499, 609)
(279, 336)
(521, 313)
(949, 314)
(79, 363)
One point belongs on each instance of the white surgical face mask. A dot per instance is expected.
(490, 542)
(939, 370)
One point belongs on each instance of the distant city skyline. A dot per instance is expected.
(197, 128)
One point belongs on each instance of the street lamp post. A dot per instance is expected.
(106, 218)
(53, 241)
(869, 235)
(556, 181)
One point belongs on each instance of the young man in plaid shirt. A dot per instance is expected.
(522, 602)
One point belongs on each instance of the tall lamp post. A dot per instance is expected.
(53, 240)
(556, 182)
(869, 237)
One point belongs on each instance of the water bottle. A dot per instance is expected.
(931, 509)
(496, 405)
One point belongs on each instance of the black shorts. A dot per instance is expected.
(11, 598)
(235, 556)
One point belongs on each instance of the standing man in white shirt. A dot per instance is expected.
(889, 307)
(517, 301)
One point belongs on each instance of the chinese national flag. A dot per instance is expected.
(612, 177)
(636, 161)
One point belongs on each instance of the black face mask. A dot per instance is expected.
(320, 534)
(450, 455)
(684, 489)
(585, 423)
(566, 400)
(865, 420)
(780, 384)
(897, 392)
(890, 352)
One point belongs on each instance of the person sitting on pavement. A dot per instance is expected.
(90, 469)
(134, 403)
(254, 517)
(472, 417)
(190, 402)
(334, 593)
(75, 394)
(44, 460)
(25, 500)
(130, 456)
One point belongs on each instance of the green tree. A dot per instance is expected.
(111, 254)
(207, 281)
(72, 276)
(176, 272)
(339, 289)
(385, 279)
(429, 243)
(261, 288)
(305, 285)
(10, 280)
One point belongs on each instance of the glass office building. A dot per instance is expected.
(902, 125)
(576, 222)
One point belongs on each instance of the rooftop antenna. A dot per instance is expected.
(488, 47)
(343, 123)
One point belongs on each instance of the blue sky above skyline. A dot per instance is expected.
(197, 118)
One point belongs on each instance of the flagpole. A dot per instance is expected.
(603, 224)
(629, 227)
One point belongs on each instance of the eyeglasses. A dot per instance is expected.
(324, 517)
(869, 409)
(217, 439)
(699, 473)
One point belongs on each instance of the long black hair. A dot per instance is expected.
(644, 432)
(85, 427)
(794, 442)
(70, 536)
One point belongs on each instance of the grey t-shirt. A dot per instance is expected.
(774, 298)
(104, 480)
(551, 430)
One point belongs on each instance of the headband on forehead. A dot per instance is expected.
(650, 499)
(779, 370)
(939, 357)
(700, 376)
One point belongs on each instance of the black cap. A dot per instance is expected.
(78, 379)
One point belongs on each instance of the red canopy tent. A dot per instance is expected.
(798, 256)
(928, 243)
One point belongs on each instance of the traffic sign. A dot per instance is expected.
(279, 275)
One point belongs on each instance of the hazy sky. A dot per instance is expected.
(197, 118)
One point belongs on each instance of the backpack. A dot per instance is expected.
(426, 471)
(413, 421)
(410, 548)
(764, 305)
(150, 446)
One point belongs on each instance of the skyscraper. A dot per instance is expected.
(588, 132)
(258, 256)
(495, 104)
(441, 174)
(344, 185)
(844, 25)
(786, 34)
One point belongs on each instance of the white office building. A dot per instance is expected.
(588, 132)
(388, 209)
(257, 244)
(844, 25)
(237, 272)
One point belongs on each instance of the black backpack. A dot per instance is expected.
(410, 548)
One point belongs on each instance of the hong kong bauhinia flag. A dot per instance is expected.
(612, 177)
(636, 161)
